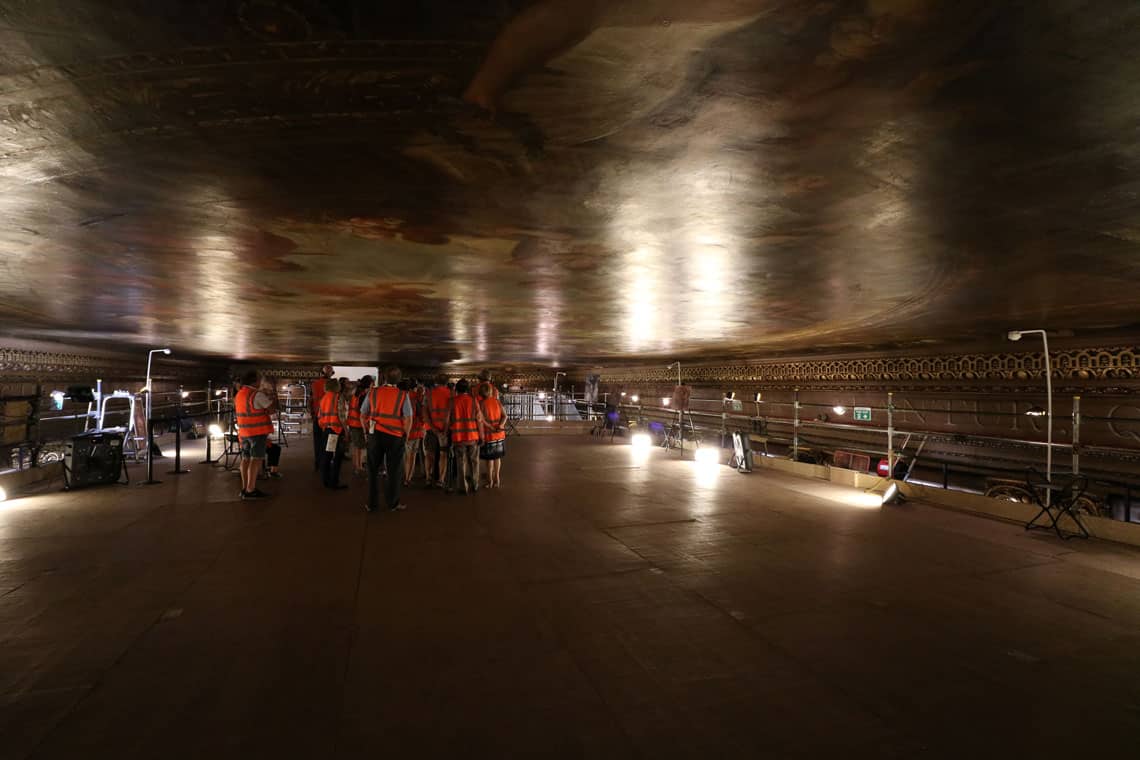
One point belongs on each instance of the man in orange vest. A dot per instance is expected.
(317, 391)
(466, 427)
(252, 408)
(332, 452)
(494, 435)
(437, 416)
(387, 412)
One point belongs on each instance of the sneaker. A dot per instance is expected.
(256, 493)
(369, 509)
(275, 475)
(243, 495)
(398, 508)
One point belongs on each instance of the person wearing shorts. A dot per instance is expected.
(252, 407)
(356, 425)
(415, 443)
(436, 414)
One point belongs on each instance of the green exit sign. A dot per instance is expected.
(862, 414)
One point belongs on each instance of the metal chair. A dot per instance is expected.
(1061, 501)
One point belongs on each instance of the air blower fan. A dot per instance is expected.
(94, 458)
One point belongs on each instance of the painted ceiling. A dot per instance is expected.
(566, 181)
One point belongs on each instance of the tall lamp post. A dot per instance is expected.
(1017, 335)
(149, 393)
(556, 405)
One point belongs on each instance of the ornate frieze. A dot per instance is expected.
(1091, 364)
(18, 364)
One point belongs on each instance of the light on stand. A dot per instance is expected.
(1048, 410)
(1035, 411)
(634, 399)
(839, 409)
(215, 431)
(641, 441)
(3, 494)
(185, 394)
(707, 455)
(542, 396)
(666, 401)
(892, 495)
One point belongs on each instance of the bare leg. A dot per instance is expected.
(441, 472)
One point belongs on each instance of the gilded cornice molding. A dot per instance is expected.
(1120, 364)
(28, 365)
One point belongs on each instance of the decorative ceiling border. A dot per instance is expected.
(1089, 364)
(18, 364)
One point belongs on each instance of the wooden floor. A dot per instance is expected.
(597, 606)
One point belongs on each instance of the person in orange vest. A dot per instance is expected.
(415, 391)
(356, 424)
(436, 414)
(494, 446)
(316, 392)
(485, 382)
(331, 425)
(466, 427)
(387, 412)
(252, 408)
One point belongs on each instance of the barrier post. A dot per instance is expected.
(178, 470)
(209, 415)
(150, 481)
(891, 436)
(1076, 435)
(796, 426)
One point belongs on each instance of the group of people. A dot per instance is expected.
(392, 422)
(386, 426)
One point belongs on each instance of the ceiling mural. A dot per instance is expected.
(564, 182)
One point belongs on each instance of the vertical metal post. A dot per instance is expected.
(945, 476)
(796, 426)
(1049, 412)
(1076, 435)
(891, 436)
(150, 481)
(178, 438)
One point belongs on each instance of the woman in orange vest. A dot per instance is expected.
(415, 438)
(485, 382)
(494, 446)
(252, 408)
(356, 424)
(331, 424)
(466, 423)
(436, 415)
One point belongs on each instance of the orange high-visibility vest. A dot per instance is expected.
(354, 411)
(464, 424)
(419, 427)
(251, 422)
(386, 409)
(439, 404)
(489, 384)
(494, 416)
(329, 419)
